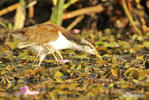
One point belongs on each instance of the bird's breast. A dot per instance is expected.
(61, 42)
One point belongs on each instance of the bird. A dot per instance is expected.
(45, 39)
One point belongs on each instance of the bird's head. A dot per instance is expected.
(89, 48)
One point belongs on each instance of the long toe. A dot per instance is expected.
(63, 61)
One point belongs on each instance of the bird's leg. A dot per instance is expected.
(61, 60)
(54, 56)
(37, 57)
(42, 56)
(59, 54)
(51, 50)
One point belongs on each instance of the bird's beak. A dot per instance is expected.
(96, 53)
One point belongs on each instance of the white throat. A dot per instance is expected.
(63, 43)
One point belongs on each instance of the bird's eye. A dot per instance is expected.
(92, 47)
(87, 43)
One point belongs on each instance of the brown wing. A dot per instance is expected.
(44, 33)
(40, 33)
(68, 35)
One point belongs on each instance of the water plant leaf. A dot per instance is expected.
(115, 72)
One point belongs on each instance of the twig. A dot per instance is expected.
(130, 17)
(20, 16)
(30, 7)
(9, 9)
(31, 12)
(14, 7)
(69, 3)
(75, 22)
(94, 9)
(87, 10)
(8, 36)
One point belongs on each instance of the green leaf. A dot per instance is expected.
(57, 13)
(146, 44)
(10, 26)
(69, 3)
(3, 25)
(54, 2)
(58, 75)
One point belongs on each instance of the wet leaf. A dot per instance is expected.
(146, 44)
(58, 75)
(115, 72)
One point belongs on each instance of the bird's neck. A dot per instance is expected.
(63, 42)
(83, 48)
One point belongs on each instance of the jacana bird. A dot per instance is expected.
(47, 39)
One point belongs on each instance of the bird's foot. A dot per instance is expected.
(63, 61)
